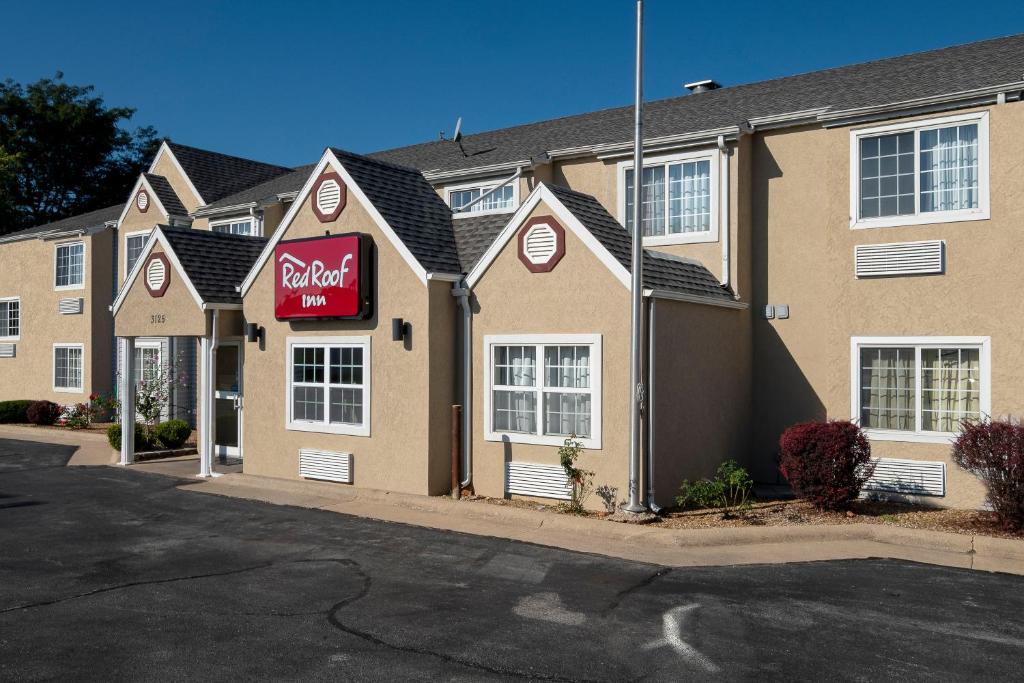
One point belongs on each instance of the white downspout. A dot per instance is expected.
(462, 292)
(725, 228)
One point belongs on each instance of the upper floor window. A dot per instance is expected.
(10, 319)
(133, 245)
(234, 227)
(70, 266)
(679, 198)
(502, 199)
(922, 172)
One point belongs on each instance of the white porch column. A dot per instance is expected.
(127, 397)
(205, 407)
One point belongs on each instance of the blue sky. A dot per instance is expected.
(281, 81)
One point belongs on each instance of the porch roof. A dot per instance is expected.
(215, 262)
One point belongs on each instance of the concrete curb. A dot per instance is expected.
(673, 547)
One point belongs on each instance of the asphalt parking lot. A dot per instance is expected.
(114, 574)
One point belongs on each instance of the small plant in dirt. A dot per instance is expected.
(609, 495)
(826, 463)
(172, 434)
(143, 442)
(580, 480)
(732, 488)
(43, 412)
(993, 450)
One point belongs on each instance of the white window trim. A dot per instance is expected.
(484, 186)
(592, 340)
(21, 318)
(328, 428)
(85, 264)
(127, 236)
(981, 213)
(985, 399)
(718, 195)
(256, 225)
(53, 367)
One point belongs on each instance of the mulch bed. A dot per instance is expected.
(802, 513)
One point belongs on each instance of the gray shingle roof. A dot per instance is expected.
(282, 184)
(661, 271)
(411, 206)
(84, 221)
(217, 175)
(215, 262)
(166, 194)
(473, 234)
(887, 81)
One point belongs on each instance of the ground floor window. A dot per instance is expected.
(329, 385)
(919, 388)
(10, 319)
(544, 388)
(147, 362)
(68, 367)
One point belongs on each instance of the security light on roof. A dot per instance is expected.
(702, 86)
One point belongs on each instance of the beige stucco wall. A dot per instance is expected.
(580, 296)
(135, 221)
(803, 256)
(701, 394)
(176, 313)
(27, 271)
(166, 167)
(403, 451)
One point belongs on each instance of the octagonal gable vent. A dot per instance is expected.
(157, 274)
(328, 197)
(541, 244)
(142, 201)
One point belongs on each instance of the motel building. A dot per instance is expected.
(836, 244)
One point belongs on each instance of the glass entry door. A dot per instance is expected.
(227, 403)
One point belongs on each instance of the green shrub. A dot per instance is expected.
(143, 441)
(731, 488)
(172, 434)
(13, 412)
(43, 412)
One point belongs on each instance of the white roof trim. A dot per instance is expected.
(328, 159)
(140, 184)
(157, 237)
(188, 181)
(539, 194)
(695, 299)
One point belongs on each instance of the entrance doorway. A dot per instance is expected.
(227, 404)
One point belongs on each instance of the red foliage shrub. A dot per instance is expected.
(43, 413)
(826, 463)
(994, 451)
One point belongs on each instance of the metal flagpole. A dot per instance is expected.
(636, 341)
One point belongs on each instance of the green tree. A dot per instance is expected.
(64, 152)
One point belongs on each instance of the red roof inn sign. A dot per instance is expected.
(322, 277)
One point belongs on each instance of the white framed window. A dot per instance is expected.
(543, 388)
(933, 171)
(234, 226)
(328, 385)
(919, 388)
(146, 361)
(68, 367)
(10, 318)
(133, 245)
(680, 197)
(503, 200)
(69, 266)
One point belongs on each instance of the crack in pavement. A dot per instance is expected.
(643, 583)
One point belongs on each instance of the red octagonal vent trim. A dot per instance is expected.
(142, 201)
(157, 274)
(541, 244)
(328, 197)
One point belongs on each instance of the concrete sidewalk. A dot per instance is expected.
(93, 448)
(669, 547)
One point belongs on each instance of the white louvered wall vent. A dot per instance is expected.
(7, 350)
(540, 244)
(909, 477)
(543, 481)
(328, 465)
(901, 258)
(328, 196)
(156, 273)
(69, 306)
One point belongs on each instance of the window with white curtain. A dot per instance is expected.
(234, 227)
(10, 319)
(329, 385)
(70, 266)
(68, 367)
(678, 198)
(503, 199)
(922, 172)
(923, 386)
(544, 388)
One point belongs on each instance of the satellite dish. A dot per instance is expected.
(458, 130)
